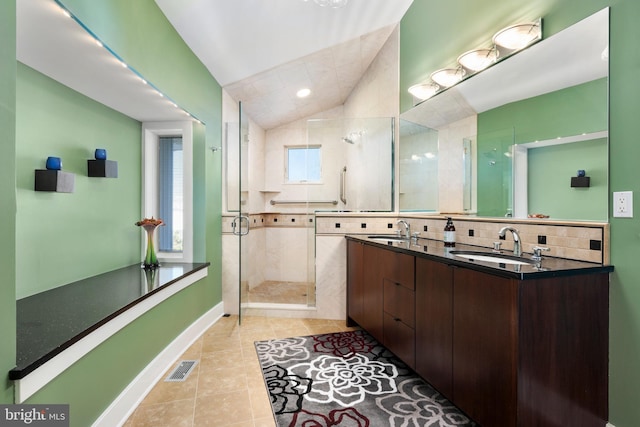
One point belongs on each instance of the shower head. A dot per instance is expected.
(353, 137)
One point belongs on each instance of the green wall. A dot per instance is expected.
(428, 25)
(64, 237)
(8, 196)
(142, 36)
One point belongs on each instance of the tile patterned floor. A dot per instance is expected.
(226, 386)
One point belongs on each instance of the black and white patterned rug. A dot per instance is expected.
(348, 379)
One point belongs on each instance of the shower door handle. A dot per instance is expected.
(343, 185)
(236, 225)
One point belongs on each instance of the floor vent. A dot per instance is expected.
(182, 371)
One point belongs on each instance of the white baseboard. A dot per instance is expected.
(610, 425)
(125, 404)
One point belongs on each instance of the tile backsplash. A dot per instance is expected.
(584, 241)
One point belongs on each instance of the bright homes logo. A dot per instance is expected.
(34, 415)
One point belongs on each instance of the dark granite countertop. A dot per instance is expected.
(51, 321)
(435, 250)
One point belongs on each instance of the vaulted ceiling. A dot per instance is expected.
(263, 52)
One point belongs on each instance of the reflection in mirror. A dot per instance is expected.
(468, 155)
(357, 164)
(418, 167)
(557, 88)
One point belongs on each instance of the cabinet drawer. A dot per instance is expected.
(399, 302)
(398, 268)
(400, 339)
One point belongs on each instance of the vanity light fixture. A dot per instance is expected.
(448, 77)
(518, 36)
(504, 43)
(479, 59)
(424, 91)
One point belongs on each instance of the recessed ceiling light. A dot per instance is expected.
(303, 93)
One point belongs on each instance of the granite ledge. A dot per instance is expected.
(52, 321)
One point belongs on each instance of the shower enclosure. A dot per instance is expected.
(276, 182)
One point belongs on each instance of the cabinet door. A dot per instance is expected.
(400, 339)
(372, 292)
(484, 347)
(434, 324)
(399, 320)
(397, 267)
(355, 282)
(399, 302)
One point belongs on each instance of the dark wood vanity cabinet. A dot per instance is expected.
(508, 352)
(536, 349)
(397, 272)
(380, 296)
(485, 350)
(365, 290)
(434, 320)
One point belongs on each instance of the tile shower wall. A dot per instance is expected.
(278, 251)
(450, 163)
(375, 95)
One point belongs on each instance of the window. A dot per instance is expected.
(168, 187)
(303, 164)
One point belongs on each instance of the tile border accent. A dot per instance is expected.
(565, 239)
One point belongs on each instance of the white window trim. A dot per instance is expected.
(151, 133)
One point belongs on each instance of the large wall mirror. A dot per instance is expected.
(531, 121)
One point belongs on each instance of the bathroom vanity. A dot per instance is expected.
(509, 344)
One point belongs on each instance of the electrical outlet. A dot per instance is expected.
(623, 204)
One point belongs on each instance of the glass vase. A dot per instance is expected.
(150, 259)
(149, 225)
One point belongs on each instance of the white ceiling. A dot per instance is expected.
(262, 51)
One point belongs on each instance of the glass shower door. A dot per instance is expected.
(241, 221)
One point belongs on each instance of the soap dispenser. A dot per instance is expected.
(449, 234)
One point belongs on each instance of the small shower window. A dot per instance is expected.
(303, 164)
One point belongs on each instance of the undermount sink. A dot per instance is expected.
(496, 258)
(388, 238)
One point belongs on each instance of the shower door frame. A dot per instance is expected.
(241, 221)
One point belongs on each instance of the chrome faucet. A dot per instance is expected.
(407, 228)
(517, 245)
